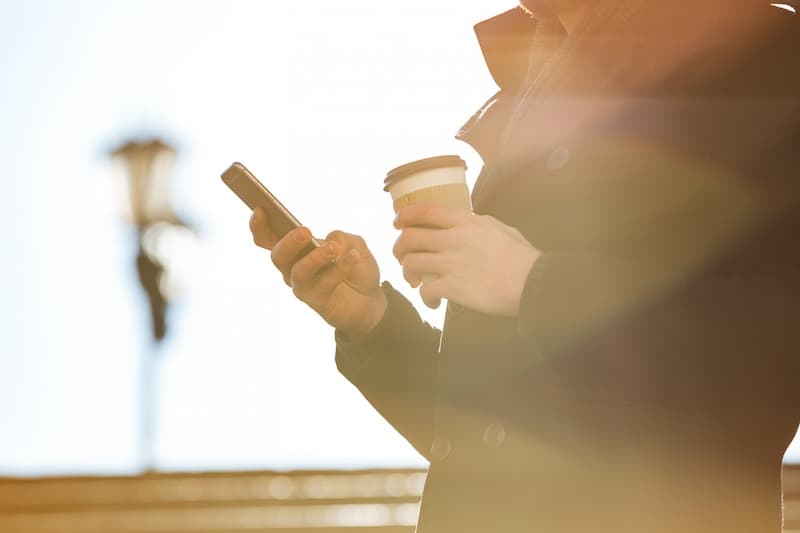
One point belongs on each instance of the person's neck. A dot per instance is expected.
(572, 18)
(569, 12)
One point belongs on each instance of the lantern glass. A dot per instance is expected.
(148, 167)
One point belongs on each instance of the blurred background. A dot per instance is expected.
(319, 99)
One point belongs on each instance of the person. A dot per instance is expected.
(620, 346)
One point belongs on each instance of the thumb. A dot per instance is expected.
(357, 261)
(429, 293)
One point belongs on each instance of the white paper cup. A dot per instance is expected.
(440, 180)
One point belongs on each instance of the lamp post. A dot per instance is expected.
(148, 167)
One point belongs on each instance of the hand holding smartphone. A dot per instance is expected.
(360, 304)
(254, 194)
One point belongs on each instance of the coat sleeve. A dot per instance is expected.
(395, 369)
(708, 252)
(698, 182)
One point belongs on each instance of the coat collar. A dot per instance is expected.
(733, 60)
(505, 42)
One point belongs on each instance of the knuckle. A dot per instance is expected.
(300, 271)
(342, 267)
(335, 235)
(406, 269)
(256, 221)
(409, 274)
(296, 278)
(275, 257)
(297, 235)
(397, 249)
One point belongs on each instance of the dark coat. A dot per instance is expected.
(650, 383)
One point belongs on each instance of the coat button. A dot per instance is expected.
(441, 448)
(454, 308)
(558, 158)
(494, 435)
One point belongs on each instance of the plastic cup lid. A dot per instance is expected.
(404, 171)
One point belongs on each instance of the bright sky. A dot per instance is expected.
(319, 99)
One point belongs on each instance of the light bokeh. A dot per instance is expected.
(319, 99)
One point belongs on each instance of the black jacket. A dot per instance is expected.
(650, 383)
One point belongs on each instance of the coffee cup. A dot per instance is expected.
(439, 180)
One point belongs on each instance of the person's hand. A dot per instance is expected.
(474, 260)
(339, 280)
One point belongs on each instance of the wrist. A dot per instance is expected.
(527, 266)
(372, 316)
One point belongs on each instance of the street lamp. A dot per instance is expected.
(148, 167)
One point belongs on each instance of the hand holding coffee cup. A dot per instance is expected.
(440, 180)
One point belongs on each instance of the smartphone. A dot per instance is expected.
(253, 193)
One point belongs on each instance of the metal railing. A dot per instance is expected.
(363, 501)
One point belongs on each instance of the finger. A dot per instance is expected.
(287, 251)
(431, 293)
(417, 265)
(340, 271)
(345, 240)
(305, 270)
(428, 215)
(362, 265)
(259, 227)
(419, 240)
(319, 293)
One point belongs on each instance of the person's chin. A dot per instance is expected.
(550, 7)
